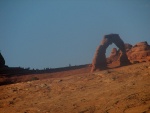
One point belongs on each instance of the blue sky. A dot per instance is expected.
(56, 33)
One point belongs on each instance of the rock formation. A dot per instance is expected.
(99, 60)
(2, 61)
(114, 55)
(127, 46)
(140, 52)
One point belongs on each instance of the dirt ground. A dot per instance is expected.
(119, 90)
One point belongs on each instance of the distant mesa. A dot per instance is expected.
(100, 62)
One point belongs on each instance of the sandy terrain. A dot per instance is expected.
(119, 90)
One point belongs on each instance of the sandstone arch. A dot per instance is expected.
(99, 60)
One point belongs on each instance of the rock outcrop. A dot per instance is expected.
(114, 55)
(2, 61)
(127, 46)
(140, 52)
(99, 60)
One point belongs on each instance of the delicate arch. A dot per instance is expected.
(99, 60)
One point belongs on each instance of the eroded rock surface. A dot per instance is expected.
(140, 52)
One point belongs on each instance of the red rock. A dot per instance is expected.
(139, 52)
(114, 55)
(99, 60)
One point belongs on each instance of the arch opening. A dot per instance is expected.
(109, 50)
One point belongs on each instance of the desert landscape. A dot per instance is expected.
(118, 90)
(75, 89)
(74, 56)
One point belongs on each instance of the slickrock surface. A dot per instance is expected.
(119, 90)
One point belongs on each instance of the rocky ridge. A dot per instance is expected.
(140, 52)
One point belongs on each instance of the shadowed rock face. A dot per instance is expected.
(2, 61)
(99, 60)
(127, 46)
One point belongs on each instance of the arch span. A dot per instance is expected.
(99, 60)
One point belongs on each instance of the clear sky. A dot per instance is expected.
(56, 33)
